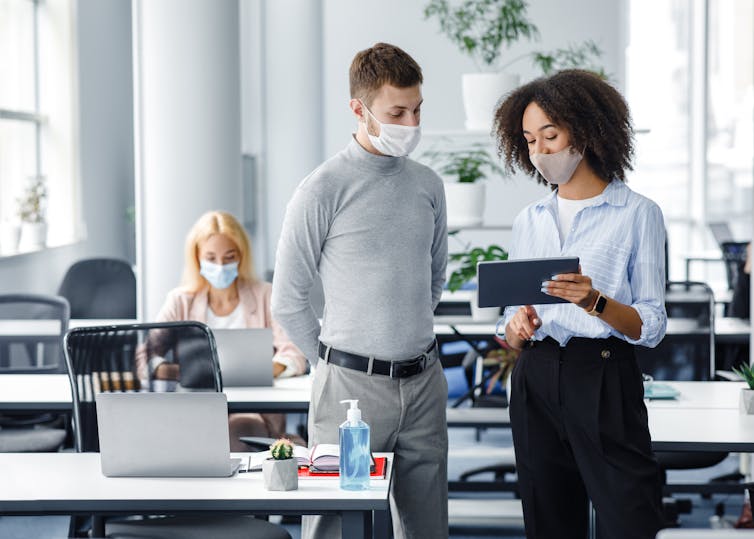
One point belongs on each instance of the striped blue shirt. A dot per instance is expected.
(620, 241)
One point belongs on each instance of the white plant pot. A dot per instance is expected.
(464, 203)
(746, 401)
(483, 314)
(10, 234)
(280, 474)
(33, 235)
(481, 93)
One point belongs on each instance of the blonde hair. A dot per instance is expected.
(209, 224)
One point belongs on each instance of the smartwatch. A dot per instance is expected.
(599, 305)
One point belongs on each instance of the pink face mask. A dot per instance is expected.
(557, 168)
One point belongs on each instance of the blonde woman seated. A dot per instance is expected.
(219, 289)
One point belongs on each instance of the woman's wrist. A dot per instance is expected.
(594, 295)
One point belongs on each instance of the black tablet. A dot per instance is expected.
(519, 282)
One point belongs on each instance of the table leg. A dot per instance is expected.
(383, 525)
(353, 524)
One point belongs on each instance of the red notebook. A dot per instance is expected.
(380, 467)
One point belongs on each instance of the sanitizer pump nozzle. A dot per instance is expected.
(354, 414)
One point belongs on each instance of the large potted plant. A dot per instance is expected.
(746, 401)
(281, 471)
(467, 271)
(31, 212)
(482, 29)
(462, 171)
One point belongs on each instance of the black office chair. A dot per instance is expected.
(100, 288)
(104, 359)
(33, 351)
(734, 256)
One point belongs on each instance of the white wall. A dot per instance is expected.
(352, 25)
(106, 151)
(188, 130)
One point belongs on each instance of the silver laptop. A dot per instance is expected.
(164, 435)
(245, 356)
(721, 232)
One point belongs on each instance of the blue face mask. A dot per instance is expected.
(219, 275)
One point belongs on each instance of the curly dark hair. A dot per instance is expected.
(594, 113)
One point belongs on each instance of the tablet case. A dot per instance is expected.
(519, 282)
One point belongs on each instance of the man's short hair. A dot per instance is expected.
(382, 64)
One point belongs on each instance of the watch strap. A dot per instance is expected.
(599, 305)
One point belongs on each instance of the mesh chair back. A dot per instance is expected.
(31, 331)
(734, 255)
(100, 288)
(687, 352)
(108, 358)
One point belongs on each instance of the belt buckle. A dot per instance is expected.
(392, 366)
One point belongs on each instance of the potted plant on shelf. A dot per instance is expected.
(482, 29)
(281, 471)
(31, 212)
(746, 402)
(462, 170)
(467, 271)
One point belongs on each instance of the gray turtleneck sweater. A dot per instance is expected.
(375, 229)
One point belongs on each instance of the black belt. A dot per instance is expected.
(393, 369)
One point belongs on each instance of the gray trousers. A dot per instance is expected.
(407, 417)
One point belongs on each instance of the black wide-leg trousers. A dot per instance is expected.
(580, 433)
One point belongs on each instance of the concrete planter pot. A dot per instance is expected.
(485, 314)
(746, 401)
(464, 204)
(10, 234)
(481, 94)
(33, 236)
(280, 474)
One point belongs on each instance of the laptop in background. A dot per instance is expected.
(721, 232)
(245, 356)
(164, 435)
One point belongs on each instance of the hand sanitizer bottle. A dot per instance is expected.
(355, 451)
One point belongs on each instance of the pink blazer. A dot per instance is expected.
(255, 301)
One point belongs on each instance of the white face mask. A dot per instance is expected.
(557, 168)
(394, 140)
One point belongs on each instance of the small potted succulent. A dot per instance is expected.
(281, 471)
(746, 402)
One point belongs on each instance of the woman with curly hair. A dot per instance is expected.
(577, 411)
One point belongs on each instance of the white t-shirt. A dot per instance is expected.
(567, 210)
(234, 320)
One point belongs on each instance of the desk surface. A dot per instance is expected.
(701, 429)
(51, 392)
(64, 483)
(700, 395)
(729, 329)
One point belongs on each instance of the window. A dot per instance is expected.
(689, 86)
(37, 127)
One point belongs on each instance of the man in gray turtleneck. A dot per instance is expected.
(372, 223)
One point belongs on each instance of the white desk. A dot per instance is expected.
(701, 395)
(66, 483)
(726, 329)
(701, 429)
(52, 392)
(286, 395)
(49, 328)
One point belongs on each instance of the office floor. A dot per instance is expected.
(56, 527)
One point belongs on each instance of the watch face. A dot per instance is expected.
(601, 302)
